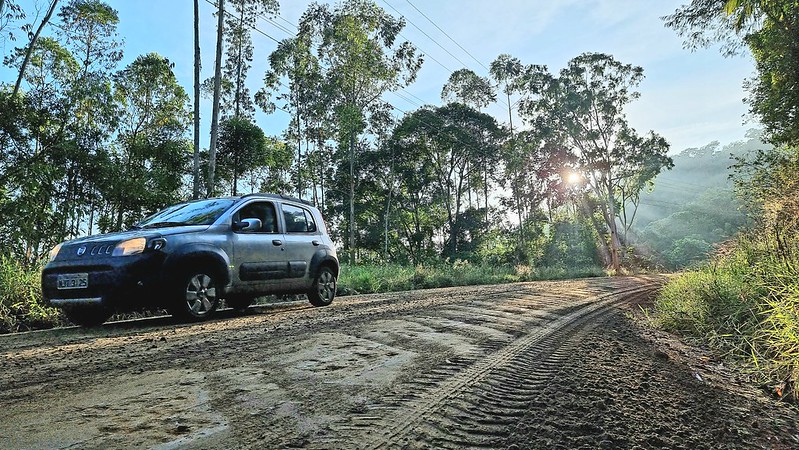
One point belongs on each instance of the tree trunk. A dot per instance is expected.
(614, 233)
(485, 193)
(385, 228)
(299, 157)
(196, 169)
(602, 247)
(240, 67)
(352, 197)
(209, 187)
(29, 50)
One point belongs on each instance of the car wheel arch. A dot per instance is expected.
(323, 258)
(214, 259)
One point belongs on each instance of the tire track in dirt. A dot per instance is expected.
(59, 355)
(468, 402)
(301, 377)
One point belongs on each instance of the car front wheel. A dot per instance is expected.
(324, 287)
(196, 296)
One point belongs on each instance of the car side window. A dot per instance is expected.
(264, 211)
(298, 220)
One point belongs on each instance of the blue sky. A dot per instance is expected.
(689, 98)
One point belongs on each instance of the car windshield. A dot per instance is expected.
(202, 212)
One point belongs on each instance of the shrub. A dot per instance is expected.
(745, 304)
(21, 306)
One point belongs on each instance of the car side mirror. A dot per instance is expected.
(248, 225)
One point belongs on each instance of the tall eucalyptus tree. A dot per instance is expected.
(583, 109)
(359, 59)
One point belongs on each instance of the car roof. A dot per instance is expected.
(276, 197)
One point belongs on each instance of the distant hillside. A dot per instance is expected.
(692, 206)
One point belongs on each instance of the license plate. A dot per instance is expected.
(73, 281)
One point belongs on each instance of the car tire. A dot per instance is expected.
(195, 296)
(239, 303)
(323, 289)
(88, 316)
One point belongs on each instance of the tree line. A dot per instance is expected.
(88, 146)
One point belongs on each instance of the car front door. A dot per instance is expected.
(260, 255)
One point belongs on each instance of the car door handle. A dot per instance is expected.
(315, 243)
(277, 242)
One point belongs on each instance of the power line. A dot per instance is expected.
(498, 99)
(464, 144)
(447, 35)
(424, 33)
(287, 22)
(277, 25)
(408, 100)
(250, 26)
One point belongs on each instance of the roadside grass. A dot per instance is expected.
(373, 278)
(21, 306)
(744, 305)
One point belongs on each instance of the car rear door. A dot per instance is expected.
(302, 240)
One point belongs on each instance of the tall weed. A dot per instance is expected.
(21, 306)
(744, 304)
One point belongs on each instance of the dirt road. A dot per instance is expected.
(533, 365)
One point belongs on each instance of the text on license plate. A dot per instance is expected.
(73, 281)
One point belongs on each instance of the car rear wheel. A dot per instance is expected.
(196, 296)
(87, 316)
(324, 287)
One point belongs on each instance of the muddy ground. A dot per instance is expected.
(533, 365)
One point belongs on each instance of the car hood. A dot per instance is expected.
(131, 234)
(102, 245)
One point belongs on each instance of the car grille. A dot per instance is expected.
(102, 249)
(82, 251)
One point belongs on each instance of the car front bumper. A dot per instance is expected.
(124, 282)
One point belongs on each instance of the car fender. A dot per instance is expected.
(322, 256)
(197, 252)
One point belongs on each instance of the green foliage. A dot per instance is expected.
(465, 86)
(356, 59)
(582, 110)
(716, 301)
(745, 305)
(687, 236)
(770, 28)
(240, 19)
(746, 302)
(368, 279)
(431, 158)
(769, 185)
(21, 301)
(693, 207)
(570, 244)
(143, 174)
(242, 147)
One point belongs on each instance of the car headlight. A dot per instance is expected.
(54, 251)
(130, 247)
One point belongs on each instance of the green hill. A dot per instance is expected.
(692, 207)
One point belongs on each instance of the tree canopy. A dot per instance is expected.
(91, 146)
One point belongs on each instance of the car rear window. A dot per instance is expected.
(298, 220)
